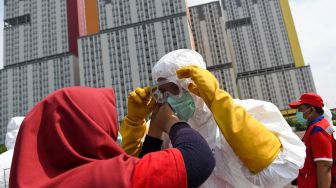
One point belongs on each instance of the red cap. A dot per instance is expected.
(308, 98)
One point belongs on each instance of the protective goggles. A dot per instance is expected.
(165, 89)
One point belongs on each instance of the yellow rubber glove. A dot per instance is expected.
(133, 127)
(256, 146)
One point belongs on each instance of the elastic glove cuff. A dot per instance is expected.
(131, 133)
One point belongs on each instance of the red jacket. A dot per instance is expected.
(318, 148)
(69, 140)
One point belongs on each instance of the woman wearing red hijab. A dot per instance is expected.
(69, 140)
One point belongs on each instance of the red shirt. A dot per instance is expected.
(318, 148)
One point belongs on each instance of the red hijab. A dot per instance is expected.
(69, 140)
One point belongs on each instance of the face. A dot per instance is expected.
(306, 110)
(170, 87)
(164, 89)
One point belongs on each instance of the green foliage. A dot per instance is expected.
(298, 126)
(2, 148)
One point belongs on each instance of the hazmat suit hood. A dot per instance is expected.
(12, 131)
(166, 68)
(6, 157)
(327, 114)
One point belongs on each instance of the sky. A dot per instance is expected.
(316, 27)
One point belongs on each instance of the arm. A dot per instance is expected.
(323, 174)
(255, 145)
(321, 145)
(133, 126)
(198, 158)
(152, 141)
(132, 133)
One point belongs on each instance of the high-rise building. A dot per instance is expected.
(88, 17)
(40, 49)
(38, 29)
(133, 36)
(211, 42)
(266, 51)
(250, 45)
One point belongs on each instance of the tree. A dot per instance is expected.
(298, 126)
(333, 118)
(2, 148)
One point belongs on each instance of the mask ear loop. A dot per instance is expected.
(159, 97)
(312, 110)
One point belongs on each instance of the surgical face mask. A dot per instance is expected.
(184, 106)
(165, 89)
(300, 118)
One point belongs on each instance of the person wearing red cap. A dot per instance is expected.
(316, 171)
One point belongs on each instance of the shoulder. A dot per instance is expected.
(317, 129)
(320, 126)
(320, 135)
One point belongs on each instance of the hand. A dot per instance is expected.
(205, 84)
(235, 123)
(140, 104)
(163, 118)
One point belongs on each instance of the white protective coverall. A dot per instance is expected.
(328, 115)
(229, 170)
(6, 157)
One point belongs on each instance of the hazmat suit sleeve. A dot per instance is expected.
(252, 142)
(133, 126)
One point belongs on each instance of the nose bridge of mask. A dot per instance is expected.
(160, 94)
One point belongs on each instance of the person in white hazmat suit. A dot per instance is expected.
(251, 141)
(6, 157)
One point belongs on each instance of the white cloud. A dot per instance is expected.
(316, 28)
